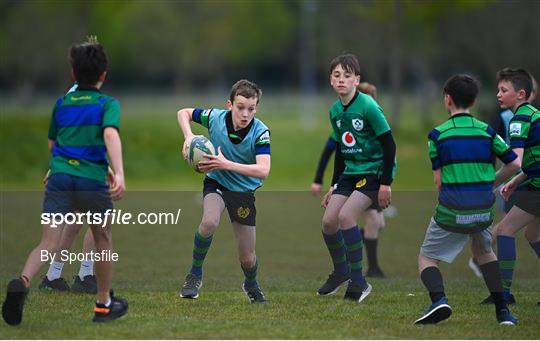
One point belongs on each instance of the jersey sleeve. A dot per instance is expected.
(433, 153)
(333, 137)
(111, 115)
(202, 117)
(53, 128)
(262, 143)
(502, 150)
(376, 118)
(519, 130)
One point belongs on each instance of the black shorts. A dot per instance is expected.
(527, 197)
(367, 184)
(240, 205)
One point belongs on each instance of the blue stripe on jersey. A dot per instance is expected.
(263, 149)
(534, 134)
(434, 134)
(533, 171)
(461, 149)
(89, 153)
(517, 142)
(523, 118)
(468, 196)
(196, 115)
(331, 144)
(75, 116)
(435, 163)
(508, 156)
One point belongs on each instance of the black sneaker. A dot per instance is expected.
(191, 286)
(12, 309)
(115, 310)
(255, 294)
(357, 292)
(88, 285)
(375, 273)
(333, 283)
(510, 300)
(58, 284)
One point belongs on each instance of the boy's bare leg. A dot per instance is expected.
(103, 268)
(50, 240)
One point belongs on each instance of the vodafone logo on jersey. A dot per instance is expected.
(348, 139)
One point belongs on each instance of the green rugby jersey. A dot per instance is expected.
(77, 124)
(356, 127)
(464, 149)
(524, 133)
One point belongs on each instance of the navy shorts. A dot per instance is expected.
(67, 193)
(240, 205)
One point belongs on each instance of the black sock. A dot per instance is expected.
(371, 252)
(492, 277)
(433, 281)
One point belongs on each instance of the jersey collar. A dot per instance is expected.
(521, 105)
(238, 135)
(345, 106)
(87, 88)
(461, 114)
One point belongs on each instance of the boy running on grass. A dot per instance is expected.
(462, 152)
(243, 162)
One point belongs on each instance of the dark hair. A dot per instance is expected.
(89, 61)
(246, 89)
(463, 89)
(520, 79)
(348, 62)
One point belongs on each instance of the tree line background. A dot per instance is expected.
(405, 47)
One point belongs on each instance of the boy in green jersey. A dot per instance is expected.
(83, 130)
(523, 191)
(462, 152)
(369, 151)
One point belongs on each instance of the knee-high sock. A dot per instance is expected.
(250, 274)
(433, 281)
(338, 252)
(353, 244)
(200, 249)
(492, 277)
(506, 253)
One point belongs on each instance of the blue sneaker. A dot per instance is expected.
(437, 312)
(505, 318)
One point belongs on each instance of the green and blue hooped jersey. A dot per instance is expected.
(524, 133)
(464, 149)
(77, 125)
(255, 142)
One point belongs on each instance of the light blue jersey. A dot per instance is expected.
(238, 146)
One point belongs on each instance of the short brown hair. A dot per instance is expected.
(348, 62)
(520, 78)
(245, 89)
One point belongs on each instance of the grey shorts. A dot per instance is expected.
(445, 246)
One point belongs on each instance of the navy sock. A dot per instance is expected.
(353, 244)
(200, 249)
(336, 247)
(506, 253)
(251, 275)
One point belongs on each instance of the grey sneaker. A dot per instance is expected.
(255, 294)
(191, 286)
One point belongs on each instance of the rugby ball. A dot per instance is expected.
(199, 146)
